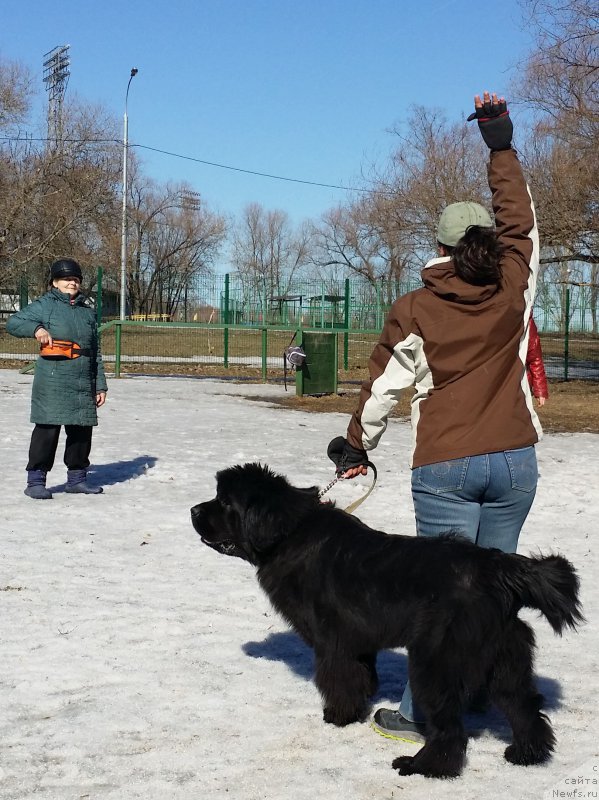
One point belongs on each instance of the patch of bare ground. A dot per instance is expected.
(573, 406)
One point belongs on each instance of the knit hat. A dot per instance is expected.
(457, 218)
(66, 268)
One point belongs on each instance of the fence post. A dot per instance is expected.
(226, 321)
(99, 296)
(346, 325)
(264, 353)
(117, 347)
(23, 292)
(567, 332)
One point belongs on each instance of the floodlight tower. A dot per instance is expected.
(190, 201)
(56, 77)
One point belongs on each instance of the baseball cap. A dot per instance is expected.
(457, 218)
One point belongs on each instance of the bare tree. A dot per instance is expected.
(387, 235)
(566, 188)
(560, 78)
(346, 239)
(63, 198)
(15, 93)
(16, 89)
(560, 82)
(56, 200)
(436, 163)
(267, 251)
(172, 242)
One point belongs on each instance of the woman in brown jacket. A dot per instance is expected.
(462, 342)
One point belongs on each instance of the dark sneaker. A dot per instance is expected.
(394, 726)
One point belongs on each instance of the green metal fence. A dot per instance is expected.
(231, 324)
(243, 324)
(194, 348)
(353, 304)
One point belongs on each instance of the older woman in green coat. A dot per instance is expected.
(69, 382)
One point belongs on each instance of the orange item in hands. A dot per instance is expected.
(61, 349)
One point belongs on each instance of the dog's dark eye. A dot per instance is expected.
(224, 501)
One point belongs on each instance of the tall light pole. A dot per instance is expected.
(124, 217)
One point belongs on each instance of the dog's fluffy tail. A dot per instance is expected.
(549, 584)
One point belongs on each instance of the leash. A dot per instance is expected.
(352, 506)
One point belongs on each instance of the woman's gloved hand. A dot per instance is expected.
(345, 457)
(494, 121)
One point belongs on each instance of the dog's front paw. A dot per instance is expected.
(409, 765)
(404, 765)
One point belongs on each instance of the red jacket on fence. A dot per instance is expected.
(535, 368)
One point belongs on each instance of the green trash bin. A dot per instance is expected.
(318, 373)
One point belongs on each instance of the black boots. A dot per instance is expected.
(77, 483)
(36, 485)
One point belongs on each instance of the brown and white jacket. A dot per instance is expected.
(463, 347)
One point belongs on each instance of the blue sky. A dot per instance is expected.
(305, 89)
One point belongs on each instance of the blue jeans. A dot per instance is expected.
(484, 498)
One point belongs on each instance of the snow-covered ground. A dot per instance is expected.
(138, 663)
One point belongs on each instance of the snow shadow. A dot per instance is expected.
(121, 471)
(551, 691)
(392, 668)
(288, 647)
(116, 472)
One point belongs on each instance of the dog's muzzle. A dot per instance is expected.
(201, 524)
(225, 548)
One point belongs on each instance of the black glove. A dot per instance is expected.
(344, 456)
(494, 124)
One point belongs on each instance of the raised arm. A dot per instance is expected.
(515, 219)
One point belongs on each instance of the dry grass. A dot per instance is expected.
(573, 406)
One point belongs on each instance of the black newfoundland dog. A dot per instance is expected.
(350, 591)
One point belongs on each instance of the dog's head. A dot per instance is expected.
(254, 509)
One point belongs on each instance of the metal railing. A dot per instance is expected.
(236, 325)
(189, 347)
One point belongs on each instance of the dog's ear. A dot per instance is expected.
(270, 518)
(266, 522)
(270, 508)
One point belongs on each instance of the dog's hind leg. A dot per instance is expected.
(439, 693)
(345, 683)
(512, 688)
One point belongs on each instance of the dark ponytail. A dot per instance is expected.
(477, 257)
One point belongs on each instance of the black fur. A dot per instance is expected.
(350, 591)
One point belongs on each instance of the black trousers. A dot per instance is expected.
(44, 441)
